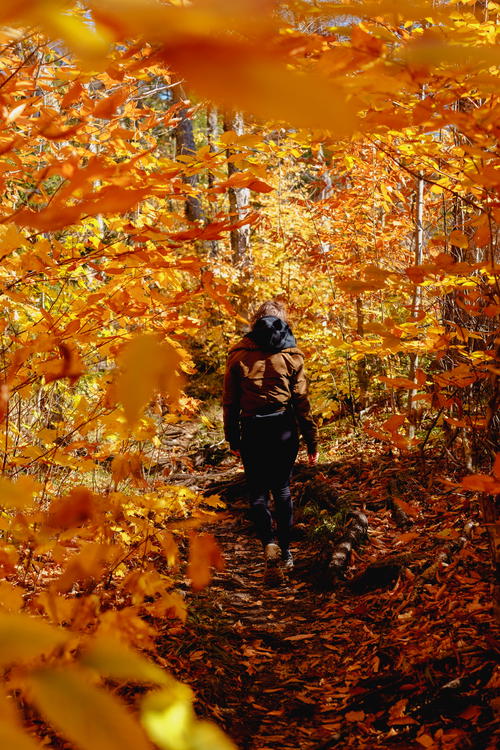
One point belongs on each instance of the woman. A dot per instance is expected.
(265, 396)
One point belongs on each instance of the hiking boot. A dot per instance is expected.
(287, 560)
(273, 575)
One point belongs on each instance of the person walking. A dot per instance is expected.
(265, 405)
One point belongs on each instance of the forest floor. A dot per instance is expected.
(401, 653)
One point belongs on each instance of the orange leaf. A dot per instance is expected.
(55, 131)
(4, 400)
(355, 715)
(253, 78)
(73, 510)
(113, 199)
(52, 218)
(459, 239)
(259, 186)
(301, 637)
(482, 237)
(425, 740)
(408, 536)
(399, 382)
(72, 95)
(481, 483)
(420, 377)
(415, 274)
(127, 465)
(413, 512)
(105, 108)
(204, 553)
(393, 423)
(70, 366)
(87, 563)
(148, 365)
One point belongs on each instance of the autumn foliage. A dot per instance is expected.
(362, 188)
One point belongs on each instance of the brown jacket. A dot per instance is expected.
(259, 382)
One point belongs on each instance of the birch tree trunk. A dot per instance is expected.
(239, 207)
(212, 135)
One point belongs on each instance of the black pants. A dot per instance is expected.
(269, 447)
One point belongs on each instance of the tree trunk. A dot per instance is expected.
(239, 207)
(361, 371)
(185, 146)
(212, 135)
(417, 295)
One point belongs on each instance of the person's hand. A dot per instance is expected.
(313, 458)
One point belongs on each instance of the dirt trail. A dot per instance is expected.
(268, 682)
(293, 667)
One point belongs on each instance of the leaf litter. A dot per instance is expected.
(401, 653)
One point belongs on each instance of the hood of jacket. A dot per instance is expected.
(272, 334)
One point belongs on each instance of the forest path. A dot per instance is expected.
(293, 667)
(269, 682)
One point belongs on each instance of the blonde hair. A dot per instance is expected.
(271, 307)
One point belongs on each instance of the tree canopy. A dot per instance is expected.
(165, 166)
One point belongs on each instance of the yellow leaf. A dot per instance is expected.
(23, 638)
(482, 237)
(87, 716)
(169, 605)
(89, 41)
(126, 465)
(167, 716)
(169, 548)
(9, 558)
(459, 239)
(207, 736)
(60, 609)
(18, 494)
(46, 436)
(447, 534)
(112, 658)
(214, 501)
(385, 192)
(12, 737)
(10, 237)
(148, 365)
(11, 597)
(15, 113)
(9, 712)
